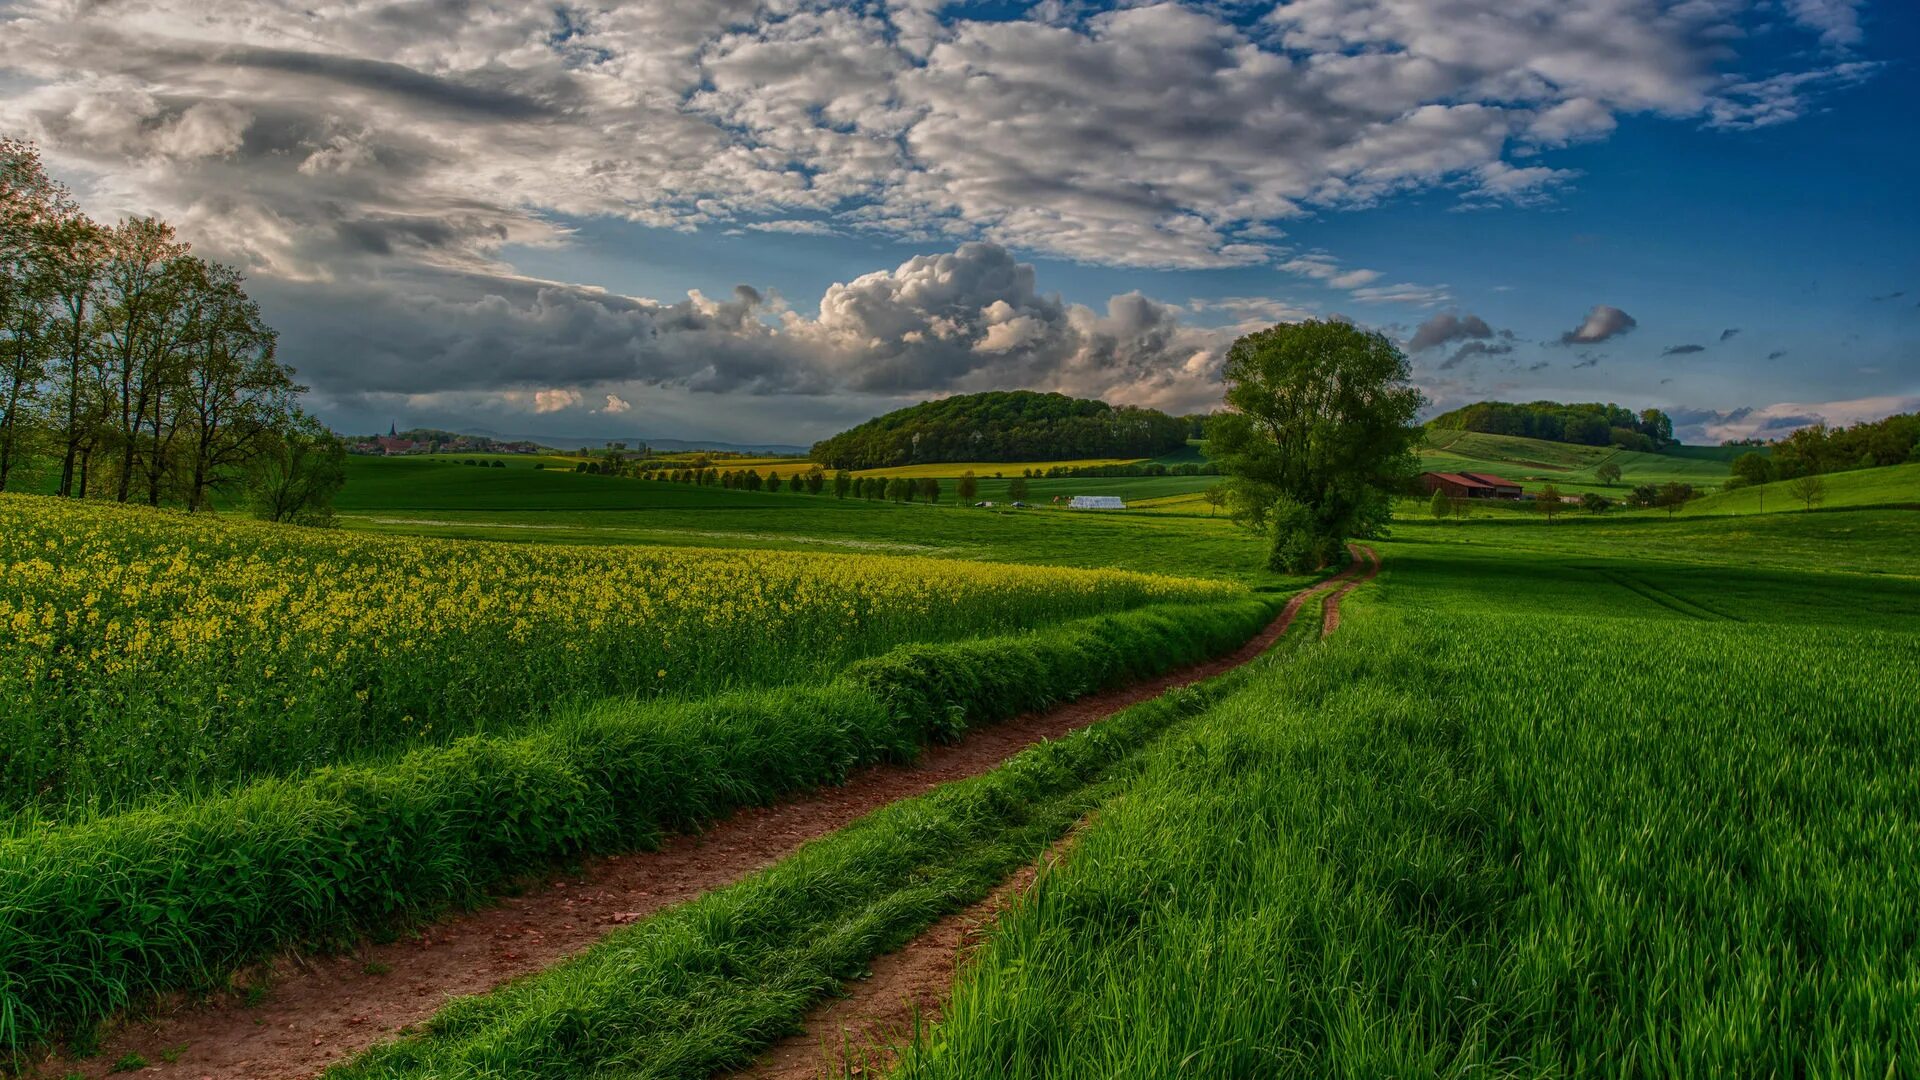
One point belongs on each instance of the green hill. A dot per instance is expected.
(1017, 425)
(1889, 485)
(1568, 466)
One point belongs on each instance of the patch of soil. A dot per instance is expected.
(317, 1011)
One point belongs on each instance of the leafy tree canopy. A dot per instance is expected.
(1320, 431)
(1589, 424)
(1018, 425)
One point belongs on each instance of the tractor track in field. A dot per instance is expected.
(860, 1034)
(317, 1011)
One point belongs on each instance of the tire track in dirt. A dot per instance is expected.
(1330, 615)
(320, 1010)
(857, 1035)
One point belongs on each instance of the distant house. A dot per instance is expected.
(1470, 485)
(1096, 502)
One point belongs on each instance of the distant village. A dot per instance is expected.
(430, 441)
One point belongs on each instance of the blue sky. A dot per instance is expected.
(499, 217)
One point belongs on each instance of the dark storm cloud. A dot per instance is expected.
(1602, 323)
(1682, 350)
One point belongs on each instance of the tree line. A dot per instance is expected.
(133, 370)
(1017, 425)
(1818, 449)
(1585, 423)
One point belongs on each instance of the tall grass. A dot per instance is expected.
(1526, 845)
(97, 914)
(148, 651)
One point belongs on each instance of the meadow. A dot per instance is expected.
(157, 652)
(1569, 466)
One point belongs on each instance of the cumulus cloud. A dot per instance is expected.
(1682, 350)
(616, 405)
(1162, 134)
(547, 401)
(969, 319)
(1602, 323)
(1447, 327)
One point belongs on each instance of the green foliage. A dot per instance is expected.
(98, 914)
(1321, 429)
(1865, 445)
(1754, 468)
(1608, 473)
(1439, 506)
(1589, 423)
(297, 476)
(1003, 426)
(1594, 503)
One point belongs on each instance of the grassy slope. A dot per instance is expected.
(1545, 807)
(1892, 485)
(1535, 462)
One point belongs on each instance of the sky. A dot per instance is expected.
(764, 222)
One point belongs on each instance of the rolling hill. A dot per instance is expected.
(1889, 485)
(1568, 466)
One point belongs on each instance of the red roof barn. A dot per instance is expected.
(1467, 485)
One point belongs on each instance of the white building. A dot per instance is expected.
(1096, 502)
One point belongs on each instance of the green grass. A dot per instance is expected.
(1537, 462)
(99, 914)
(1890, 485)
(1524, 821)
(702, 987)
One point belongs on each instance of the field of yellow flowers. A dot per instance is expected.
(144, 651)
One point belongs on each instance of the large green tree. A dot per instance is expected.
(1318, 434)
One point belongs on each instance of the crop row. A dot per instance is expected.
(100, 913)
(145, 651)
(1516, 846)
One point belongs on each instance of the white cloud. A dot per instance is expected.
(549, 401)
(617, 404)
(1785, 417)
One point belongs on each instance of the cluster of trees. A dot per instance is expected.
(1319, 435)
(1819, 449)
(132, 369)
(1016, 425)
(1588, 424)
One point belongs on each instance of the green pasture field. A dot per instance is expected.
(1539, 809)
(1537, 462)
(1889, 485)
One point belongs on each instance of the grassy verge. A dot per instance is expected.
(705, 985)
(98, 914)
(1456, 844)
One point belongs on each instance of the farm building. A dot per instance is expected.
(1467, 485)
(1096, 502)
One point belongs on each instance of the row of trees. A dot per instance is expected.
(1017, 425)
(134, 370)
(843, 484)
(1585, 423)
(1819, 449)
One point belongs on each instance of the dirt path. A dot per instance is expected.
(857, 1035)
(320, 1010)
(1330, 619)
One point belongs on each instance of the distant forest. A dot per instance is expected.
(1588, 424)
(1017, 425)
(1894, 440)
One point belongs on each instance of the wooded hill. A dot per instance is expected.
(1587, 424)
(1017, 425)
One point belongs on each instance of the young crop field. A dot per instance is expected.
(161, 652)
(1528, 821)
(1568, 466)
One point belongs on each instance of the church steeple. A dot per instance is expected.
(393, 429)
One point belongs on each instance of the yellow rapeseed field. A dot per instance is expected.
(144, 650)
